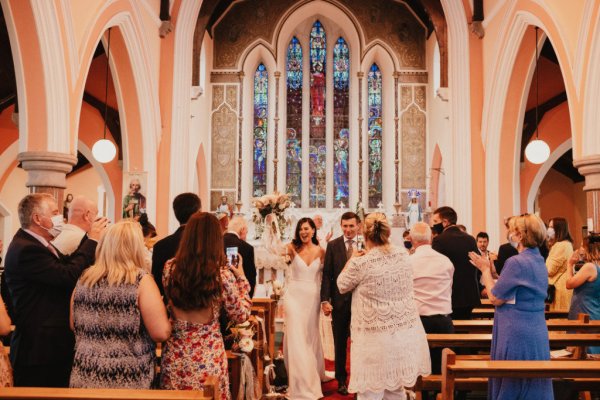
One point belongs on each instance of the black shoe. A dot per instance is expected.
(343, 390)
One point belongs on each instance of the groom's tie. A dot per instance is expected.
(349, 248)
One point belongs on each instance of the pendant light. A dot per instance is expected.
(537, 151)
(104, 150)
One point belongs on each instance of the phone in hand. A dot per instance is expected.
(360, 244)
(231, 253)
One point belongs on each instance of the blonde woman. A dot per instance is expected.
(557, 261)
(389, 347)
(117, 315)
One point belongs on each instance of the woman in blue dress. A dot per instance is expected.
(584, 281)
(520, 331)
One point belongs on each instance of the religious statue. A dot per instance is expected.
(414, 208)
(225, 207)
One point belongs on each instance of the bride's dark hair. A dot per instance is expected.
(297, 242)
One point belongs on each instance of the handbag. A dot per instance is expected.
(551, 295)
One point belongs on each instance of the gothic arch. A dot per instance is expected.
(136, 93)
(495, 115)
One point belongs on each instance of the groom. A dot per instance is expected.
(332, 302)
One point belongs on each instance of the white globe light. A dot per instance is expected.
(537, 151)
(104, 150)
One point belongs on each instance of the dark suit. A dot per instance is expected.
(163, 251)
(40, 286)
(335, 260)
(247, 252)
(504, 253)
(456, 245)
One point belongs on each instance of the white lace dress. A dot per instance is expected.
(389, 346)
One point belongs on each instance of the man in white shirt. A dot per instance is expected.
(82, 214)
(432, 282)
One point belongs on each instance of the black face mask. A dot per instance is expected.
(408, 244)
(438, 228)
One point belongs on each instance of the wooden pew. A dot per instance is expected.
(454, 368)
(484, 340)
(211, 391)
(485, 326)
(269, 307)
(234, 369)
(489, 313)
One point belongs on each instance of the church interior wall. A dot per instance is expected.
(555, 129)
(505, 54)
(199, 126)
(560, 197)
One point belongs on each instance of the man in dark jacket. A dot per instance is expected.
(456, 245)
(236, 237)
(40, 283)
(184, 205)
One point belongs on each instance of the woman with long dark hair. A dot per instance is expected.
(198, 284)
(302, 303)
(558, 258)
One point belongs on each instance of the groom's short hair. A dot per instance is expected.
(349, 215)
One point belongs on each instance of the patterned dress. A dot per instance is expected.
(195, 350)
(113, 348)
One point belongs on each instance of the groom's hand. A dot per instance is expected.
(326, 307)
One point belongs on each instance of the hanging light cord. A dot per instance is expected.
(106, 86)
(537, 86)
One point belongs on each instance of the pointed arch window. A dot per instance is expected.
(375, 136)
(294, 121)
(341, 124)
(317, 167)
(261, 104)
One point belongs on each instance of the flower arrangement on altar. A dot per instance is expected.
(275, 203)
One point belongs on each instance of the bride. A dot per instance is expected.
(301, 340)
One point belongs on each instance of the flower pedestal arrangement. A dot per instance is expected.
(276, 204)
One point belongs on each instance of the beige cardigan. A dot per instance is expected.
(557, 274)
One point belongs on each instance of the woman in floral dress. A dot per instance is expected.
(199, 286)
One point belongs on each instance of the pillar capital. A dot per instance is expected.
(46, 169)
(589, 167)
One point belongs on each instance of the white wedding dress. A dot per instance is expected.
(301, 339)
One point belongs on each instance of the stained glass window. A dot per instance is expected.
(317, 148)
(375, 135)
(294, 122)
(341, 132)
(261, 81)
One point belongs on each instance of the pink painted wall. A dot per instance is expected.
(560, 197)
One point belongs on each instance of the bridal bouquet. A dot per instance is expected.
(275, 203)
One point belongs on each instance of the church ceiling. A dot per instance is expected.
(387, 20)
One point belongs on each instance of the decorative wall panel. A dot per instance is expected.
(218, 96)
(231, 96)
(413, 148)
(224, 130)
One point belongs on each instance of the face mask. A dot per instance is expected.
(512, 242)
(551, 233)
(438, 228)
(57, 225)
(408, 244)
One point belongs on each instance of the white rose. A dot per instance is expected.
(246, 344)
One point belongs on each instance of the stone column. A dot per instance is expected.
(47, 171)
(589, 166)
